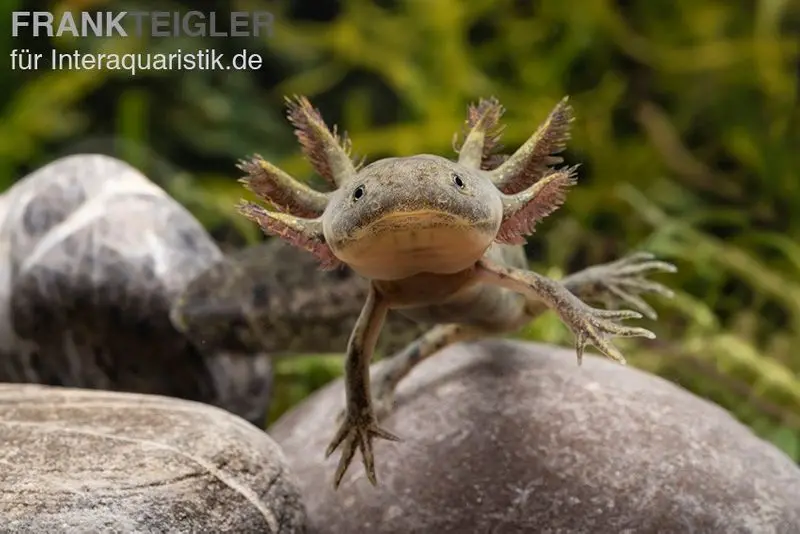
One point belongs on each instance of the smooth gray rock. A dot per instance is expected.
(88, 461)
(94, 257)
(508, 437)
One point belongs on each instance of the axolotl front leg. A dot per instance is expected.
(360, 426)
(591, 326)
(619, 282)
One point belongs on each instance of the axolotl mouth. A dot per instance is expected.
(403, 244)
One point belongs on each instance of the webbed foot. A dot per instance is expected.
(623, 282)
(356, 431)
(593, 326)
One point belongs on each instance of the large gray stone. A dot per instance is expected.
(507, 437)
(94, 257)
(88, 461)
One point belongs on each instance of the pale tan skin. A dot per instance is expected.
(439, 241)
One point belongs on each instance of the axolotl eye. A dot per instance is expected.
(458, 181)
(358, 193)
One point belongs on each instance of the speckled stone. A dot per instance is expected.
(507, 437)
(76, 460)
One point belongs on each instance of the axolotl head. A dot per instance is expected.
(399, 217)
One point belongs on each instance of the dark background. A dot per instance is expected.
(688, 131)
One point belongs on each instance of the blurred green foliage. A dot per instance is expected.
(688, 129)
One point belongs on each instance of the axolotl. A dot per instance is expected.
(440, 241)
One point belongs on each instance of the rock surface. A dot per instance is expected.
(507, 437)
(276, 295)
(93, 257)
(90, 461)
